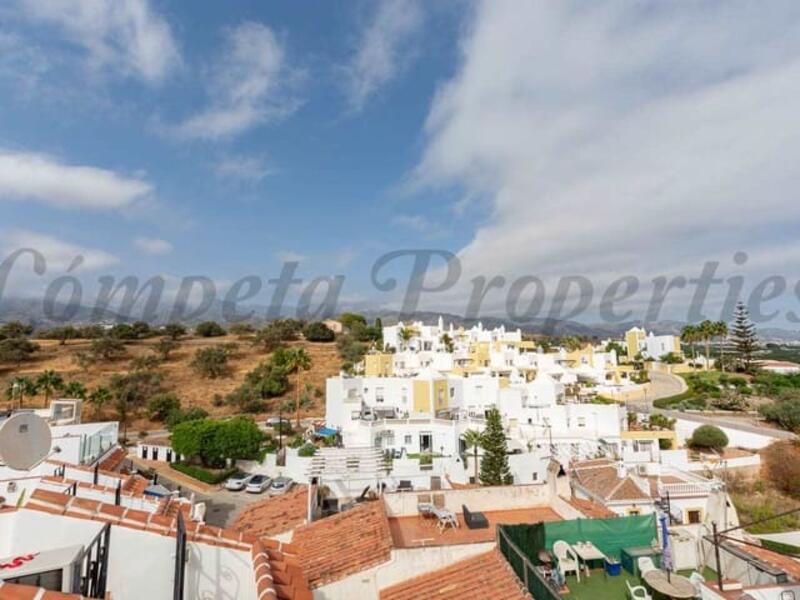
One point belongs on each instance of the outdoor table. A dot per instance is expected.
(676, 586)
(588, 552)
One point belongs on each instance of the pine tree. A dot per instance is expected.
(744, 337)
(494, 466)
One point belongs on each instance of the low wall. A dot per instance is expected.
(736, 437)
(510, 497)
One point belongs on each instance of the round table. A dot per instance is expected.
(676, 586)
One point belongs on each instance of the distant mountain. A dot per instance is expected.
(32, 311)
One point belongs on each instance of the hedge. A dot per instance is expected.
(204, 475)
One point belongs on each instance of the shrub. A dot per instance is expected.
(708, 436)
(209, 329)
(215, 441)
(296, 441)
(318, 332)
(782, 461)
(307, 449)
(785, 411)
(211, 362)
(161, 405)
(201, 474)
(178, 416)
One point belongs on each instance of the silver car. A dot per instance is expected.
(257, 484)
(238, 481)
(280, 485)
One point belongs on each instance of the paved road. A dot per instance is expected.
(664, 385)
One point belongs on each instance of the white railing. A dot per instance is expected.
(684, 489)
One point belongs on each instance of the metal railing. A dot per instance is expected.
(528, 575)
(93, 566)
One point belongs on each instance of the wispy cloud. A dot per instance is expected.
(421, 225)
(290, 256)
(153, 246)
(250, 85)
(126, 36)
(249, 169)
(39, 177)
(384, 47)
(60, 255)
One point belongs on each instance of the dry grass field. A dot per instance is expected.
(178, 375)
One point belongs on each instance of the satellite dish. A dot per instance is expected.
(25, 441)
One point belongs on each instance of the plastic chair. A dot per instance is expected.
(567, 559)
(646, 565)
(638, 592)
(696, 579)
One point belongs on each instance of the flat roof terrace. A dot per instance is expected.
(416, 531)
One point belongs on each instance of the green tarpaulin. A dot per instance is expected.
(609, 535)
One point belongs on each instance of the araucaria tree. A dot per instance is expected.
(494, 466)
(744, 337)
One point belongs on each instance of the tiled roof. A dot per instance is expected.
(591, 510)
(273, 516)
(344, 544)
(486, 575)
(12, 591)
(277, 569)
(114, 459)
(599, 477)
(791, 566)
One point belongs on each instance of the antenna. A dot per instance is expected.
(25, 441)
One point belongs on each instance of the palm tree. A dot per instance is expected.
(99, 398)
(75, 389)
(19, 387)
(473, 439)
(707, 331)
(298, 360)
(48, 382)
(406, 333)
(690, 335)
(721, 331)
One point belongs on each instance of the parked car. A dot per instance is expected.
(274, 421)
(280, 485)
(238, 481)
(257, 484)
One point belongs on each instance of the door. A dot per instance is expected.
(425, 442)
(169, 455)
(144, 452)
(155, 453)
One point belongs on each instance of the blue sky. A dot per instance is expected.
(529, 138)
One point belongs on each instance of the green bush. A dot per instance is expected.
(307, 449)
(296, 441)
(209, 329)
(204, 475)
(215, 441)
(161, 405)
(708, 436)
(785, 412)
(318, 332)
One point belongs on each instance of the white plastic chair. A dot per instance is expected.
(567, 559)
(646, 565)
(638, 592)
(696, 579)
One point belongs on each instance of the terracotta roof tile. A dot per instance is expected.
(344, 544)
(791, 566)
(486, 575)
(11, 591)
(591, 510)
(114, 459)
(599, 477)
(273, 516)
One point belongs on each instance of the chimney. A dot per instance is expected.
(622, 472)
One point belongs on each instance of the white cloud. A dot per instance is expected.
(33, 176)
(383, 49)
(127, 36)
(420, 224)
(620, 138)
(251, 169)
(60, 255)
(153, 246)
(290, 256)
(250, 85)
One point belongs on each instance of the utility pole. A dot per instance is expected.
(716, 555)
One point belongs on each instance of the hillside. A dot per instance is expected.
(178, 375)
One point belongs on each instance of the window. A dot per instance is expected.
(535, 477)
(379, 394)
(404, 396)
(581, 421)
(452, 392)
(634, 511)
(407, 440)
(694, 516)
